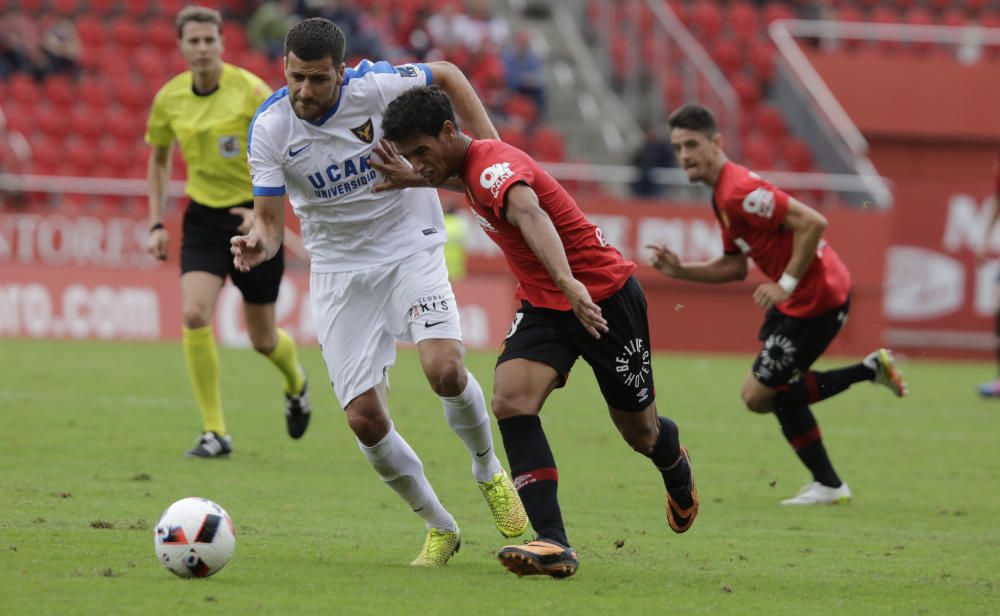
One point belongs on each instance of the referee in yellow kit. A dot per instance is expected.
(207, 110)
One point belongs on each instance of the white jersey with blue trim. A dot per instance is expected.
(324, 166)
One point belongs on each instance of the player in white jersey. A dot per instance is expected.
(378, 270)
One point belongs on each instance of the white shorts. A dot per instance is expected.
(360, 315)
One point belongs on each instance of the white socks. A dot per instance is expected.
(467, 415)
(400, 468)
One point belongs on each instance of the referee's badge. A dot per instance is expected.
(365, 132)
(229, 146)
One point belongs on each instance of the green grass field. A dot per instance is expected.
(91, 443)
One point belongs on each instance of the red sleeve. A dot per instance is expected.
(496, 171)
(757, 204)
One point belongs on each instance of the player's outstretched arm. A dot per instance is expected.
(264, 239)
(524, 212)
(468, 107)
(726, 268)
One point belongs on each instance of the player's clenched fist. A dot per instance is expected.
(248, 251)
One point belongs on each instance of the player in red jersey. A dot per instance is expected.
(807, 298)
(992, 388)
(578, 298)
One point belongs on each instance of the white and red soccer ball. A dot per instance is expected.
(194, 537)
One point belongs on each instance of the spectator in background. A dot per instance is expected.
(655, 152)
(20, 50)
(361, 44)
(15, 156)
(267, 26)
(450, 28)
(488, 26)
(992, 388)
(456, 226)
(525, 72)
(61, 47)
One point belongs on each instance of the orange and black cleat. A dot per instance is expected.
(680, 518)
(540, 557)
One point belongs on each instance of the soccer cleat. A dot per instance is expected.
(540, 557)
(297, 411)
(886, 373)
(990, 390)
(212, 445)
(504, 502)
(439, 546)
(679, 518)
(815, 493)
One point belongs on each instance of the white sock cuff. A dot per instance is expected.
(382, 448)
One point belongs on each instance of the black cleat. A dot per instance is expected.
(297, 411)
(212, 445)
(540, 557)
(679, 517)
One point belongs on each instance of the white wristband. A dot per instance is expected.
(788, 282)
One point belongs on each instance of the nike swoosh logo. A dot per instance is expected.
(480, 455)
(293, 153)
(432, 323)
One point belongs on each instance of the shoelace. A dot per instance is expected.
(433, 548)
(494, 489)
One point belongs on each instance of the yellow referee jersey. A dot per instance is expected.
(212, 132)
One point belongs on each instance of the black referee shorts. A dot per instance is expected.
(620, 359)
(205, 248)
(791, 345)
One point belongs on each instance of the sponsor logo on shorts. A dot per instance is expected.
(431, 303)
(778, 353)
(633, 366)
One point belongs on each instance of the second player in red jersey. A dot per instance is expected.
(751, 214)
(578, 299)
(807, 295)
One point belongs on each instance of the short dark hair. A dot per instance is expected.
(418, 111)
(200, 14)
(694, 117)
(316, 38)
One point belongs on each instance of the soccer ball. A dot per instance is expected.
(194, 537)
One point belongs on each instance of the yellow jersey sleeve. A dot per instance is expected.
(158, 130)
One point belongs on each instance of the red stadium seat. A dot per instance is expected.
(954, 17)
(706, 19)
(673, 92)
(115, 159)
(24, 90)
(101, 7)
(135, 96)
(126, 34)
(20, 117)
(45, 156)
(29, 7)
(758, 153)
(797, 155)
(728, 55)
(547, 145)
(90, 31)
(170, 8)
(148, 62)
(776, 10)
(234, 38)
(515, 136)
(770, 122)
(744, 20)
(88, 123)
(59, 90)
(762, 60)
(93, 92)
(53, 122)
(136, 9)
(521, 107)
(65, 8)
(748, 91)
(80, 158)
(162, 35)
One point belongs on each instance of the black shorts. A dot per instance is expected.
(205, 248)
(792, 345)
(620, 359)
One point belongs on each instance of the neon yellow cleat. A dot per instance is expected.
(508, 511)
(439, 546)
